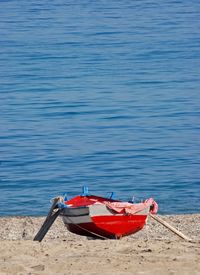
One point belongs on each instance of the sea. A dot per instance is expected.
(104, 94)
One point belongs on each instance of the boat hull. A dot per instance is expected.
(112, 229)
(100, 222)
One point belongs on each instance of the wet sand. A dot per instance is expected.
(154, 250)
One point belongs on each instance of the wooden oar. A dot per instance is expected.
(51, 217)
(161, 221)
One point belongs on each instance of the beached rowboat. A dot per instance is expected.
(101, 217)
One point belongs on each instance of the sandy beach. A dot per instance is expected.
(154, 250)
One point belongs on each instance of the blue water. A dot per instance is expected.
(99, 93)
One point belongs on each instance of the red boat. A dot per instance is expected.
(101, 217)
(98, 217)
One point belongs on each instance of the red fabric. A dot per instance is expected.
(129, 208)
(154, 209)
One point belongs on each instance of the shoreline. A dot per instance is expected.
(25, 228)
(153, 250)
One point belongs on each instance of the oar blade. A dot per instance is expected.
(51, 217)
(46, 226)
